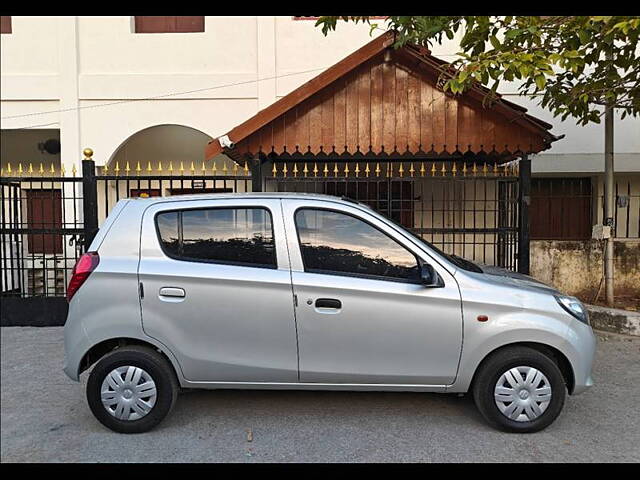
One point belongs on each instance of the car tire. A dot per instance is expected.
(139, 386)
(519, 404)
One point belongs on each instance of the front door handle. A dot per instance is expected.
(328, 303)
(172, 292)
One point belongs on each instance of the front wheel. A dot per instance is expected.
(519, 389)
(131, 389)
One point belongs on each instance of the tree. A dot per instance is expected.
(575, 65)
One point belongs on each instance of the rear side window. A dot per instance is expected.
(234, 236)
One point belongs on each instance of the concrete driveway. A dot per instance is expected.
(45, 418)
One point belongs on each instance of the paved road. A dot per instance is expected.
(45, 418)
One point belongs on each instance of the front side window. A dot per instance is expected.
(235, 236)
(340, 244)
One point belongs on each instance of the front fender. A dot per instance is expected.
(481, 339)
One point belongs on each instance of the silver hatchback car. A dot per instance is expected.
(295, 291)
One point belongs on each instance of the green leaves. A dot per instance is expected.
(574, 64)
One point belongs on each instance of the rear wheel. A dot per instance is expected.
(132, 389)
(519, 389)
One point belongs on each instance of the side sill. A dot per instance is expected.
(382, 387)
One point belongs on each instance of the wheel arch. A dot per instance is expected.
(559, 358)
(100, 349)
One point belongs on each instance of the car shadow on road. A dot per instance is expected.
(267, 406)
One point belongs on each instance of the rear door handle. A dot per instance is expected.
(172, 292)
(328, 303)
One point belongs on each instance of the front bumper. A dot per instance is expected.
(581, 342)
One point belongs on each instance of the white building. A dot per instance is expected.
(132, 96)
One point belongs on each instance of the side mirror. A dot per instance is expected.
(429, 276)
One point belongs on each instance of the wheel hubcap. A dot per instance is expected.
(128, 393)
(522, 394)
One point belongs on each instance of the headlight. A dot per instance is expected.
(573, 306)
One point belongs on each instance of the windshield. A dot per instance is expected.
(459, 262)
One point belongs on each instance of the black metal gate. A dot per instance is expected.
(41, 238)
(47, 217)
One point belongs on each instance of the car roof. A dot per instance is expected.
(210, 196)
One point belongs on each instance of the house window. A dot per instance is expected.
(5, 24)
(156, 24)
(44, 212)
(560, 208)
(316, 18)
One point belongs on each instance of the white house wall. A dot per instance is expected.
(53, 63)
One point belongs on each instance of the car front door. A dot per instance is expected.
(217, 289)
(363, 315)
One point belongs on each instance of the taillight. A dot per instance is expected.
(86, 264)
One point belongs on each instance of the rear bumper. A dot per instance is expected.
(76, 344)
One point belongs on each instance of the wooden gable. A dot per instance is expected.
(388, 102)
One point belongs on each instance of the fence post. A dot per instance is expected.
(89, 197)
(256, 175)
(524, 200)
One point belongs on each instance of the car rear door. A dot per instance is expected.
(362, 314)
(217, 289)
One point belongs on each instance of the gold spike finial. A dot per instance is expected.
(41, 170)
(246, 168)
(9, 168)
(444, 169)
(235, 168)
(117, 169)
(149, 168)
(74, 170)
(295, 170)
(30, 168)
(138, 168)
(159, 166)
(20, 168)
(224, 167)
(377, 170)
(214, 168)
(367, 170)
(284, 170)
(52, 169)
(192, 168)
(126, 168)
(422, 169)
(315, 169)
(357, 170)
(170, 166)
(181, 169)
(474, 169)
(401, 170)
(346, 169)
(335, 170)
(62, 170)
(325, 171)
(274, 170)
(454, 169)
(433, 169)
(305, 170)
(464, 169)
(495, 168)
(411, 169)
(484, 169)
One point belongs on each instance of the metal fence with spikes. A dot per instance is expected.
(50, 214)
